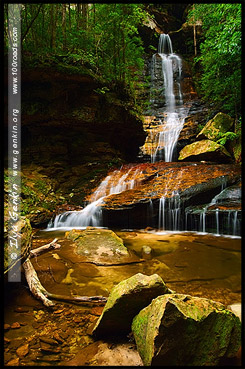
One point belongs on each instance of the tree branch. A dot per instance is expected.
(49, 246)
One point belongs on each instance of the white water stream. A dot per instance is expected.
(91, 215)
(174, 116)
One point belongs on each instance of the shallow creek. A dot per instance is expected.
(203, 265)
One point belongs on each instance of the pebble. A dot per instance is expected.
(14, 362)
(48, 340)
(15, 325)
(48, 348)
(6, 326)
(6, 340)
(21, 309)
(58, 311)
(22, 351)
(57, 337)
(48, 358)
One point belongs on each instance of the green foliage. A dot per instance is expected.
(225, 137)
(101, 37)
(220, 54)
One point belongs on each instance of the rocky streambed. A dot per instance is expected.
(201, 265)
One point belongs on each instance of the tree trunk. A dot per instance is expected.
(84, 16)
(64, 25)
(195, 40)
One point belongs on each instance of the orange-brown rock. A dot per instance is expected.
(156, 180)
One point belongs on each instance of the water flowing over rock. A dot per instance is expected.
(125, 301)
(154, 194)
(178, 329)
(166, 94)
(116, 182)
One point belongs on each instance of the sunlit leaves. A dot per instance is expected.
(220, 53)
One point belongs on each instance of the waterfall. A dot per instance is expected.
(169, 212)
(174, 117)
(91, 215)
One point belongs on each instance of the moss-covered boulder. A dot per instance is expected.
(22, 230)
(206, 150)
(99, 245)
(182, 330)
(216, 126)
(125, 301)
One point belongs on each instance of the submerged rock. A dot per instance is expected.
(182, 330)
(98, 244)
(126, 299)
(205, 150)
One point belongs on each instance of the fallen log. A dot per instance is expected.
(49, 246)
(42, 294)
(34, 284)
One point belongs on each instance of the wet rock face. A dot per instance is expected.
(185, 330)
(187, 183)
(125, 301)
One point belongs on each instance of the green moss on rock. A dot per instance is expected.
(205, 150)
(22, 231)
(221, 123)
(126, 299)
(185, 330)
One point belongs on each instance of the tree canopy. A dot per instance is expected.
(102, 36)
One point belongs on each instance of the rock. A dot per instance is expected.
(146, 252)
(126, 299)
(205, 150)
(6, 340)
(220, 124)
(48, 340)
(15, 325)
(6, 327)
(186, 183)
(182, 330)
(22, 351)
(236, 309)
(23, 228)
(13, 362)
(49, 348)
(98, 244)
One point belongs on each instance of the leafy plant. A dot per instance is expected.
(220, 54)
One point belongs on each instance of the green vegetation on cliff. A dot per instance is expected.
(220, 54)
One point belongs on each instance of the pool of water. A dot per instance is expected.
(199, 264)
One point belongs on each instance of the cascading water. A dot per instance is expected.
(91, 215)
(173, 116)
(168, 213)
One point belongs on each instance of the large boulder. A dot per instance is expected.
(216, 126)
(126, 299)
(182, 330)
(206, 150)
(101, 245)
